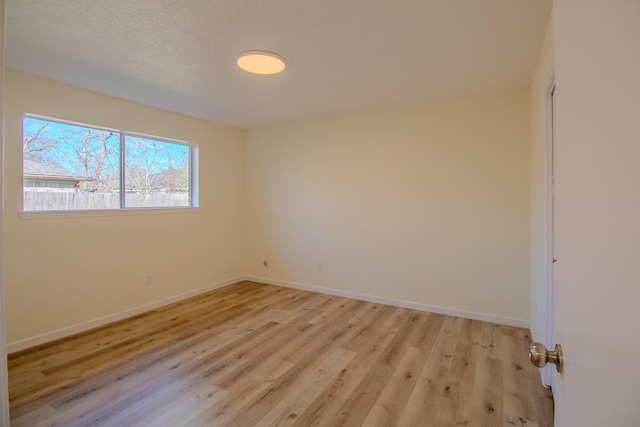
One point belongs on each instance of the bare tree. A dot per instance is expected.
(91, 154)
(176, 178)
(142, 156)
(97, 154)
(37, 145)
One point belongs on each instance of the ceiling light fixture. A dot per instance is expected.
(261, 62)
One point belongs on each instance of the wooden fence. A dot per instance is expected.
(64, 201)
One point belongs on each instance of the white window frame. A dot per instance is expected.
(122, 210)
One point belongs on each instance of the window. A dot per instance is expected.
(75, 167)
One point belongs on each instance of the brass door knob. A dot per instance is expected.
(540, 356)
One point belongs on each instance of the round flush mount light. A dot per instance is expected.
(261, 62)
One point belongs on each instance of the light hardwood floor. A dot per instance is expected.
(258, 355)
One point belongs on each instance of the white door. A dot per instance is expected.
(597, 146)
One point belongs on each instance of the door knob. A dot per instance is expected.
(540, 356)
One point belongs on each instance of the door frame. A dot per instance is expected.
(548, 373)
(4, 374)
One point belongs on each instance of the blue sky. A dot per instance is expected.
(64, 141)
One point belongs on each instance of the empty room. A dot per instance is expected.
(356, 213)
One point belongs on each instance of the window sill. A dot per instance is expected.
(107, 212)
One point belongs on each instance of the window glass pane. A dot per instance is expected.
(157, 173)
(74, 167)
(69, 167)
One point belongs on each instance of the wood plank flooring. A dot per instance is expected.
(258, 355)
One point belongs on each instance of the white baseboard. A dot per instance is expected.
(485, 317)
(101, 321)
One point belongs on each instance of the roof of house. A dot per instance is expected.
(33, 169)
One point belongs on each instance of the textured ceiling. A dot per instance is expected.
(342, 55)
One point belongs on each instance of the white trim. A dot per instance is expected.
(449, 311)
(548, 337)
(108, 212)
(4, 374)
(101, 321)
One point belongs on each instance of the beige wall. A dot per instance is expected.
(65, 271)
(540, 255)
(426, 203)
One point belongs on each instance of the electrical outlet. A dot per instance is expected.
(320, 265)
(148, 280)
